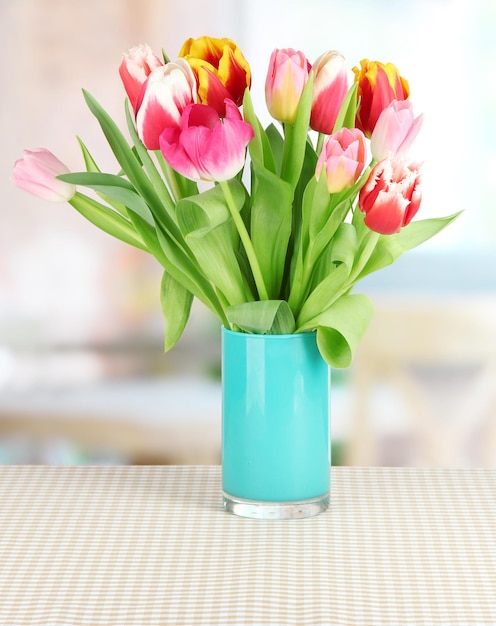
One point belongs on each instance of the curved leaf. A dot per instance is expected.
(176, 306)
(262, 317)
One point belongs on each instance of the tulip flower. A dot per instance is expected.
(286, 78)
(37, 171)
(391, 196)
(378, 85)
(331, 82)
(342, 158)
(395, 130)
(206, 147)
(167, 92)
(135, 68)
(220, 69)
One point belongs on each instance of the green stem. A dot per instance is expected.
(169, 176)
(245, 239)
(320, 143)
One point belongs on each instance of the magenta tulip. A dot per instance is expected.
(391, 196)
(342, 159)
(206, 147)
(37, 171)
(135, 68)
(286, 78)
(167, 92)
(395, 130)
(331, 82)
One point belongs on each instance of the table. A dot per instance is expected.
(124, 545)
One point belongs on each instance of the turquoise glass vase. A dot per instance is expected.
(275, 425)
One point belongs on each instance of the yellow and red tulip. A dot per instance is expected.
(331, 82)
(206, 147)
(395, 130)
(167, 92)
(391, 196)
(342, 159)
(220, 69)
(37, 171)
(378, 85)
(286, 78)
(135, 68)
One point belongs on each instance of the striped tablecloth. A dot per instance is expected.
(152, 545)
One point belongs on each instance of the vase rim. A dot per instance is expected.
(258, 336)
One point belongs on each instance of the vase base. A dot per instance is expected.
(256, 509)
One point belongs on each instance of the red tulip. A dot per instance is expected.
(378, 85)
(206, 147)
(391, 196)
(37, 171)
(220, 69)
(135, 68)
(395, 130)
(286, 78)
(342, 158)
(167, 92)
(331, 82)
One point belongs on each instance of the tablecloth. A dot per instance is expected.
(121, 545)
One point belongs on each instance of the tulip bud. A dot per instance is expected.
(206, 147)
(378, 85)
(135, 68)
(220, 69)
(331, 82)
(342, 158)
(37, 171)
(166, 93)
(286, 78)
(395, 130)
(391, 196)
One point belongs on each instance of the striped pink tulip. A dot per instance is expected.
(135, 68)
(206, 147)
(391, 196)
(332, 80)
(286, 78)
(167, 92)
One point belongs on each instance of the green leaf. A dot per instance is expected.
(347, 113)
(263, 317)
(176, 303)
(341, 327)
(322, 297)
(89, 161)
(296, 137)
(390, 247)
(207, 226)
(271, 223)
(276, 144)
(259, 147)
(107, 220)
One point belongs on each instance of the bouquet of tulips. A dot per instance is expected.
(271, 228)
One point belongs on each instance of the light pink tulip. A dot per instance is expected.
(167, 92)
(391, 196)
(395, 130)
(135, 68)
(206, 147)
(342, 159)
(332, 79)
(286, 78)
(36, 173)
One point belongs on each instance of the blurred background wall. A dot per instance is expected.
(82, 374)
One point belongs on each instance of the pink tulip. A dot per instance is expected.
(342, 158)
(135, 68)
(331, 82)
(167, 92)
(395, 130)
(391, 196)
(286, 78)
(206, 147)
(36, 173)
